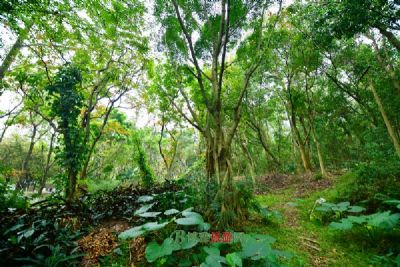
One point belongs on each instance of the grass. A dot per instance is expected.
(312, 243)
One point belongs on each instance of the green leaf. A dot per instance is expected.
(392, 201)
(397, 260)
(155, 251)
(187, 210)
(215, 261)
(255, 249)
(150, 214)
(356, 209)
(213, 258)
(267, 238)
(144, 208)
(342, 225)
(189, 221)
(29, 233)
(15, 227)
(234, 259)
(357, 219)
(131, 233)
(383, 220)
(153, 226)
(211, 250)
(191, 218)
(342, 206)
(142, 199)
(191, 214)
(188, 243)
(204, 226)
(171, 212)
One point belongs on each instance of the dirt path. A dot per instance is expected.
(312, 243)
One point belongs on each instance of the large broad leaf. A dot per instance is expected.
(355, 209)
(153, 226)
(204, 226)
(267, 238)
(255, 249)
(191, 214)
(357, 219)
(171, 212)
(15, 227)
(393, 202)
(132, 233)
(342, 206)
(234, 259)
(29, 233)
(187, 210)
(397, 260)
(144, 208)
(191, 218)
(140, 230)
(145, 199)
(155, 251)
(213, 258)
(383, 220)
(342, 225)
(189, 221)
(211, 250)
(188, 242)
(215, 261)
(149, 214)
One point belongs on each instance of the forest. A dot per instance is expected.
(200, 133)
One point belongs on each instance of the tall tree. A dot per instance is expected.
(198, 38)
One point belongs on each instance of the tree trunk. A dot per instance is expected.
(48, 165)
(305, 157)
(10, 57)
(25, 164)
(250, 162)
(320, 157)
(390, 37)
(388, 124)
(385, 64)
(264, 141)
(71, 186)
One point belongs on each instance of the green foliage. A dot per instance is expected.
(67, 102)
(41, 236)
(380, 220)
(387, 260)
(347, 18)
(325, 211)
(141, 159)
(254, 250)
(11, 198)
(101, 185)
(372, 184)
(57, 258)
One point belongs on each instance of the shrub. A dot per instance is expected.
(101, 185)
(372, 184)
(10, 198)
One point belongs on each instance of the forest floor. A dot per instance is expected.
(312, 243)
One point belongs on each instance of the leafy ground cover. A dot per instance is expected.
(133, 226)
(312, 241)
